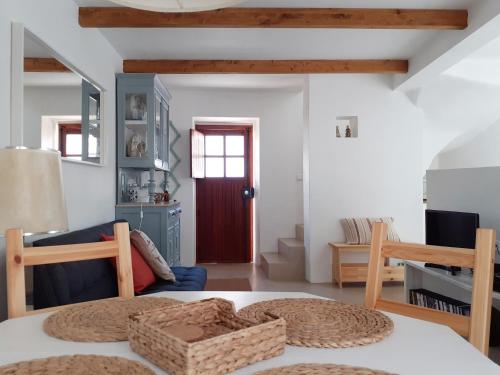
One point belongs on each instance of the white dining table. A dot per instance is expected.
(414, 348)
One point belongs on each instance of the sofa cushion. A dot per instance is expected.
(187, 279)
(358, 230)
(141, 272)
(151, 255)
(72, 282)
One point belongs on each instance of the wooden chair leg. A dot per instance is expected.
(124, 261)
(375, 265)
(16, 289)
(482, 290)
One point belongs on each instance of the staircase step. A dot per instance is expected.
(274, 258)
(292, 248)
(278, 267)
(299, 232)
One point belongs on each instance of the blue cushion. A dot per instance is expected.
(187, 279)
(73, 282)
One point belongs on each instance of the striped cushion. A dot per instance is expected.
(358, 231)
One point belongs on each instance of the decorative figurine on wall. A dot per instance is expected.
(338, 132)
(348, 133)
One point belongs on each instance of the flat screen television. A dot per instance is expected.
(450, 228)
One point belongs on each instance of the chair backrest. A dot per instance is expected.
(18, 257)
(475, 327)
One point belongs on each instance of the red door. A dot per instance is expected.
(223, 193)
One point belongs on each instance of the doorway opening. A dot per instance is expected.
(224, 154)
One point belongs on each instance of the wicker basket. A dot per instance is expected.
(205, 337)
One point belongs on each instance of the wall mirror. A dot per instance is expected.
(61, 107)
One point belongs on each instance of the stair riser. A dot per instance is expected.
(285, 273)
(293, 253)
(282, 272)
(299, 232)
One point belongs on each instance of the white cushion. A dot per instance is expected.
(151, 255)
(358, 231)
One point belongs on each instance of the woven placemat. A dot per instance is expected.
(322, 323)
(320, 369)
(77, 364)
(99, 321)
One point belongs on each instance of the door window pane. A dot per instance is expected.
(235, 167)
(214, 167)
(214, 145)
(235, 145)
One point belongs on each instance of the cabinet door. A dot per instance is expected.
(170, 246)
(135, 125)
(177, 245)
(166, 134)
(158, 132)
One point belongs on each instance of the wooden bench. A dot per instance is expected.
(357, 272)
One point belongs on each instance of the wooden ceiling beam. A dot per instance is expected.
(343, 18)
(264, 66)
(44, 65)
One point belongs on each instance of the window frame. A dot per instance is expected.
(224, 156)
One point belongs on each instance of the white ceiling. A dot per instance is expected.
(328, 3)
(191, 43)
(234, 81)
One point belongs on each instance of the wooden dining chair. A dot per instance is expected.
(19, 257)
(476, 327)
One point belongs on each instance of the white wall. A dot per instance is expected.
(90, 191)
(47, 101)
(280, 114)
(377, 174)
(467, 190)
(481, 151)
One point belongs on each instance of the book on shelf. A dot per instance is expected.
(436, 301)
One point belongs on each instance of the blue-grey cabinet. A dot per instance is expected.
(142, 118)
(142, 158)
(160, 222)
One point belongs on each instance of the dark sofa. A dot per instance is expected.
(73, 282)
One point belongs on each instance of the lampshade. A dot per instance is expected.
(177, 5)
(31, 191)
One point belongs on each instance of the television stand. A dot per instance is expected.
(452, 270)
(440, 281)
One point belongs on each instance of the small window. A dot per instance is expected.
(217, 155)
(70, 140)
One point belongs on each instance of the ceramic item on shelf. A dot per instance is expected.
(338, 132)
(136, 146)
(136, 107)
(132, 193)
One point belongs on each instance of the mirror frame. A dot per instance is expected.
(18, 31)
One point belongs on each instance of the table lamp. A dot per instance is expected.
(31, 191)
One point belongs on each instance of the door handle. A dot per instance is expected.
(248, 192)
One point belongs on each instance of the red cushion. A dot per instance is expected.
(142, 274)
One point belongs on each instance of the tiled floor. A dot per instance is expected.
(353, 293)
(350, 293)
